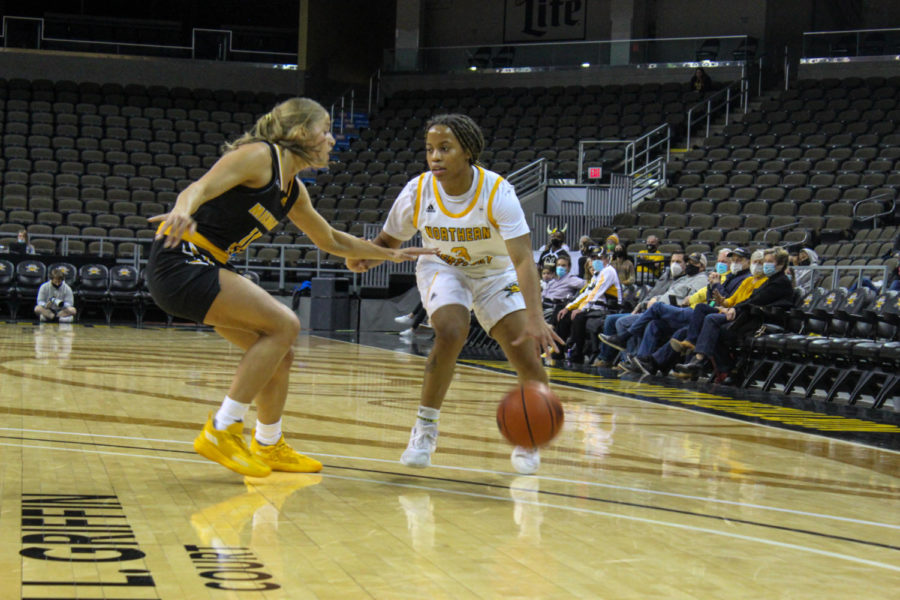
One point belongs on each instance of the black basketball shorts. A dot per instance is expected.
(183, 280)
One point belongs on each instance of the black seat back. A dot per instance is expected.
(94, 278)
(824, 311)
(888, 326)
(30, 274)
(124, 278)
(7, 274)
(850, 309)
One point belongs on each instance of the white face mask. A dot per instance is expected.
(756, 269)
(676, 269)
(736, 267)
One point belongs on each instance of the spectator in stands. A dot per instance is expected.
(649, 260)
(684, 339)
(663, 318)
(610, 243)
(246, 193)
(560, 290)
(623, 265)
(731, 269)
(618, 323)
(55, 299)
(21, 245)
(701, 82)
(555, 246)
(584, 246)
(591, 305)
(739, 321)
(547, 275)
(484, 261)
(805, 279)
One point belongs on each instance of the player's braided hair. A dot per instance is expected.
(283, 125)
(467, 132)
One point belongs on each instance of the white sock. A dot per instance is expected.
(268, 435)
(68, 319)
(230, 412)
(428, 416)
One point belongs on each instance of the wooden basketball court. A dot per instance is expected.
(101, 495)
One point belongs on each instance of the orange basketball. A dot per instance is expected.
(530, 415)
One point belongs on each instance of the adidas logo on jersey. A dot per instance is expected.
(429, 208)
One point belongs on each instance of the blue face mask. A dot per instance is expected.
(598, 265)
(768, 269)
(722, 268)
(561, 271)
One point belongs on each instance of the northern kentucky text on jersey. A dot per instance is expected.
(458, 234)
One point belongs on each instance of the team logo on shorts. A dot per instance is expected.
(512, 288)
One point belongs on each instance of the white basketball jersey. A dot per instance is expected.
(466, 233)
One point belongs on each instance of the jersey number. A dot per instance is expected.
(462, 254)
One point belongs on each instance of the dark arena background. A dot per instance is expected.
(765, 466)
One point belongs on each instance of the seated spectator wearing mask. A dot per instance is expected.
(622, 264)
(649, 260)
(683, 340)
(663, 318)
(726, 278)
(712, 347)
(561, 289)
(618, 323)
(21, 245)
(589, 307)
(55, 299)
(805, 279)
(584, 247)
(555, 246)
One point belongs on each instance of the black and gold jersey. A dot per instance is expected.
(227, 224)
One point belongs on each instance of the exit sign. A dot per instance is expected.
(595, 172)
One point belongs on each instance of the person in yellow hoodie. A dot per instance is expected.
(594, 302)
(684, 339)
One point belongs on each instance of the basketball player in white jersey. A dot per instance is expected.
(484, 262)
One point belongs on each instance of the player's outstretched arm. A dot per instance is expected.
(384, 240)
(323, 235)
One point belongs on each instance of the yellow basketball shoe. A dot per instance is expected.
(281, 457)
(228, 448)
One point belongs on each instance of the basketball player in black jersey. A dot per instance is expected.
(245, 194)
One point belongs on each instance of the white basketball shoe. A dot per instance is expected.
(526, 460)
(422, 443)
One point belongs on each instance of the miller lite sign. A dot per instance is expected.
(544, 20)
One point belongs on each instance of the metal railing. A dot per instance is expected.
(290, 258)
(850, 43)
(874, 217)
(341, 103)
(577, 225)
(639, 153)
(380, 276)
(716, 104)
(684, 52)
(374, 91)
(786, 227)
(821, 272)
(529, 179)
(286, 59)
